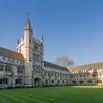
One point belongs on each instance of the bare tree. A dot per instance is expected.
(64, 61)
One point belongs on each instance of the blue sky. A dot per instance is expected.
(72, 28)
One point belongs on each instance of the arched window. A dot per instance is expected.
(81, 82)
(89, 81)
(99, 81)
(74, 81)
(18, 81)
(58, 81)
(46, 82)
(3, 81)
(52, 81)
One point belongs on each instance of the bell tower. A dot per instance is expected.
(28, 40)
(25, 48)
(32, 50)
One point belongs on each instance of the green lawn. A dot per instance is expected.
(53, 95)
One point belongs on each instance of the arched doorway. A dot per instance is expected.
(37, 82)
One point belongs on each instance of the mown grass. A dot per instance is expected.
(53, 95)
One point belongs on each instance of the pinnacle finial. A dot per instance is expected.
(42, 37)
(28, 23)
(17, 41)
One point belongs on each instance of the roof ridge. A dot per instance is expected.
(10, 54)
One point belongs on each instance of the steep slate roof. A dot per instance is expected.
(51, 65)
(87, 67)
(10, 54)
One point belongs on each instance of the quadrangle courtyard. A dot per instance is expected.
(73, 94)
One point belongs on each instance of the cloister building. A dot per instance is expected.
(26, 67)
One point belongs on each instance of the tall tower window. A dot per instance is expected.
(36, 48)
(30, 41)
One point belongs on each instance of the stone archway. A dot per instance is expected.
(37, 82)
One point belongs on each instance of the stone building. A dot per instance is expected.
(11, 68)
(26, 67)
(32, 51)
(55, 75)
(90, 74)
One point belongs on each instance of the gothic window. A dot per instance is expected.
(1, 67)
(36, 48)
(52, 81)
(74, 81)
(30, 41)
(36, 57)
(51, 74)
(99, 81)
(81, 82)
(63, 81)
(18, 81)
(30, 58)
(20, 69)
(89, 81)
(46, 82)
(8, 68)
(94, 75)
(3, 81)
(87, 74)
(58, 81)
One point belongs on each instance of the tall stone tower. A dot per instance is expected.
(25, 48)
(32, 50)
(28, 40)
